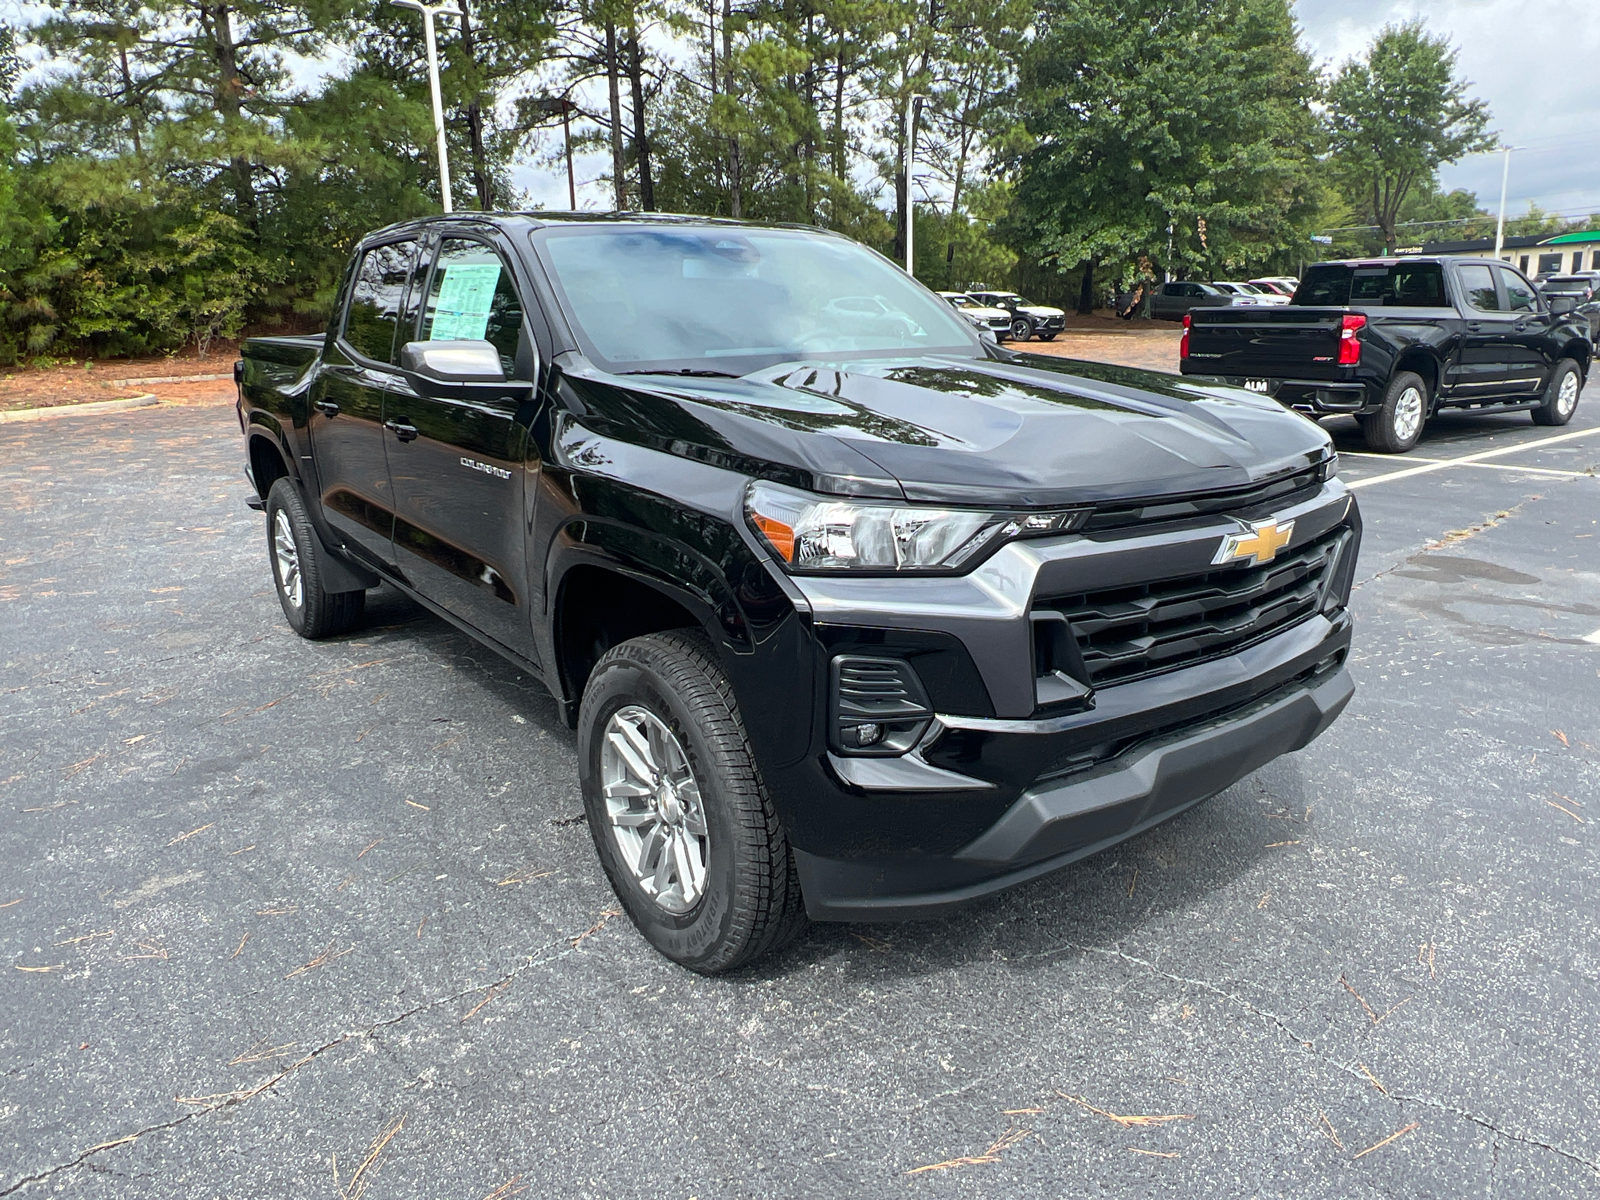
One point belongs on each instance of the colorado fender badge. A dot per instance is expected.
(1260, 544)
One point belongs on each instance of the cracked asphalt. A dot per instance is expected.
(282, 919)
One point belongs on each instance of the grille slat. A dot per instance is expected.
(1127, 633)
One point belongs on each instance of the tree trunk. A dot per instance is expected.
(480, 158)
(229, 102)
(735, 166)
(618, 166)
(135, 113)
(902, 188)
(838, 113)
(1086, 289)
(641, 135)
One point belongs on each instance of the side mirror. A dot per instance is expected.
(452, 362)
(1562, 302)
(988, 335)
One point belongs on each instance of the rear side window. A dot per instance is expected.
(1519, 293)
(474, 297)
(375, 300)
(1478, 284)
(1397, 285)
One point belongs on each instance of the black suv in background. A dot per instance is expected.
(1027, 318)
(854, 619)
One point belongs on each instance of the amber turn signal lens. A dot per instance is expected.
(778, 534)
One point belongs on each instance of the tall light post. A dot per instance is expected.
(1500, 225)
(913, 107)
(445, 8)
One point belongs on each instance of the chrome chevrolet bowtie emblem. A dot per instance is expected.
(1260, 544)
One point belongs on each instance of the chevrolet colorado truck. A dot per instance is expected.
(1392, 341)
(853, 622)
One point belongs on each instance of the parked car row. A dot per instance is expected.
(1174, 300)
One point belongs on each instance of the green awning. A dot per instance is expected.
(1567, 239)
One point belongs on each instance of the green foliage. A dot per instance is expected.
(1394, 117)
(1191, 115)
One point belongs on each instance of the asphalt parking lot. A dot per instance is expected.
(282, 919)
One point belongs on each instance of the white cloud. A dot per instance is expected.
(1533, 62)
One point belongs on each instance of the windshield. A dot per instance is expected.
(735, 300)
(1391, 285)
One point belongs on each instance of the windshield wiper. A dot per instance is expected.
(698, 372)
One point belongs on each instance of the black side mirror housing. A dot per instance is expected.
(1562, 302)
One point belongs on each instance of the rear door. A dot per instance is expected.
(1530, 349)
(1480, 369)
(346, 414)
(458, 463)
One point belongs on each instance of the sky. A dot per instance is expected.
(1533, 61)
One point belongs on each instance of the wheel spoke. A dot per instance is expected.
(635, 762)
(695, 823)
(663, 876)
(631, 818)
(688, 877)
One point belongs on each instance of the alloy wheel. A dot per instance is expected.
(287, 557)
(1021, 330)
(1567, 397)
(1408, 414)
(654, 808)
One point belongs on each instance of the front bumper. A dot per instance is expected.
(1053, 824)
(1010, 778)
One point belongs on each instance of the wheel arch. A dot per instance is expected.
(1424, 364)
(1580, 352)
(267, 460)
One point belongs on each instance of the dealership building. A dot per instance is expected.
(1559, 255)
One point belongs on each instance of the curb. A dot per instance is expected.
(72, 410)
(147, 380)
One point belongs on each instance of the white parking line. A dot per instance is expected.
(1466, 459)
(1594, 638)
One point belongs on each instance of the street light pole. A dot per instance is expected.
(913, 107)
(1500, 225)
(446, 8)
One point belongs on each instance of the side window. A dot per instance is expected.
(1519, 293)
(375, 300)
(1172, 289)
(1478, 284)
(473, 296)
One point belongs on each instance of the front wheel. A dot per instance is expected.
(1397, 425)
(291, 546)
(1561, 397)
(1021, 329)
(680, 818)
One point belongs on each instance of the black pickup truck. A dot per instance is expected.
(853, 622)
(1392, 341)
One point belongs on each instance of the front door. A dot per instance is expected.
(347, 403)
(1530, 350)
(458, 464)
(1478, 370)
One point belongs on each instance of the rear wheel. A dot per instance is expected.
(1397, 425)
(680, 818)
(292, 549)
(1021, 329)
(1561, 396)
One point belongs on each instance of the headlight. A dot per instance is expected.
(818, 533)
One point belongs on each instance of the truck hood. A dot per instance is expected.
(1009, 430)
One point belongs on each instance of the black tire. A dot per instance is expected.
(313, 613)
(1047, 337)
(1397, 426)
(1021, 329)
(749, 903)
(1561, 396)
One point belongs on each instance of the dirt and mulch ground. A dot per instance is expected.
(177, 379)
(208, 379)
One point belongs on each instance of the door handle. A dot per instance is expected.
(1474, 326)
(327, 408)
(402, 429)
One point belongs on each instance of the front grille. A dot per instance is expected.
(1276, 493)
(1128, 632)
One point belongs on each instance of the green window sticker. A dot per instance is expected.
(461, 312)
